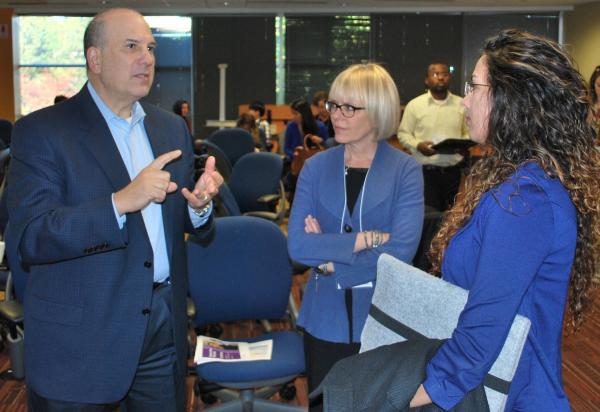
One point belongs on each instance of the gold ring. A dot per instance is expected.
(205, 197)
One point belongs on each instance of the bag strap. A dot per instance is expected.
(399, 328)
(306, 140)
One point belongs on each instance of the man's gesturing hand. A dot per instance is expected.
(151, 185)
(206, 187)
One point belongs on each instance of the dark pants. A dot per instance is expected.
(441, 185)
(156, 387)
(320, 356)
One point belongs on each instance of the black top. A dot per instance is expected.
(355, 178)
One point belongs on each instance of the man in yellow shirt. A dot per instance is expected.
(428, 119)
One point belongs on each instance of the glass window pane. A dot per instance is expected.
(319, 47)
(51, 40)
(39, 85)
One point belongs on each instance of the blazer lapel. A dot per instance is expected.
(159, 141)
(332, 179)
(379, 184)
(96, 136)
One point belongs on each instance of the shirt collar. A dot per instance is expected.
(433, 100)
(137, 111)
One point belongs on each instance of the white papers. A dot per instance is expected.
(215, 350)
(362, 285)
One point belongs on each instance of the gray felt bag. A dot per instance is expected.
(409, 303)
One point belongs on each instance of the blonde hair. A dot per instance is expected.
(374, 88)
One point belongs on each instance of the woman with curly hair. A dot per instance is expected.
(522, 235)
(595, 100)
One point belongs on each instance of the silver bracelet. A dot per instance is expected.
(202, 212)
(322, 269)
(376, 239)
(366, 240)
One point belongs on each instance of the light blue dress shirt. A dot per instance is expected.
(133, 144)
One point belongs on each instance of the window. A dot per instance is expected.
(50, 59)
(317, 48)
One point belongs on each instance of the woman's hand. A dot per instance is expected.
(365, 240)
(311, 225)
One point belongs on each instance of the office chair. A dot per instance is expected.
(11, 315)
(225, 204)
(203, 149)
(256, 185)
(4, 161)
(6, 127)
(244, 273)
(234, 143)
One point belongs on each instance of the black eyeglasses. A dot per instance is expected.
(469, 86)
(347, 109)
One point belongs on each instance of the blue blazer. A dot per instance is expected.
(514, 255)
(392, 202)
(89, 281)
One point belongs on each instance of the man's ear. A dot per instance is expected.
(93, 56)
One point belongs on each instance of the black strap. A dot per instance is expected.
(497, 384)
(394, 325)
(399, 328)
(348, 299)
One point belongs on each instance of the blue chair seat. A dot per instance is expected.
(287, 360)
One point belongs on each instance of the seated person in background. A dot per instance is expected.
(6, 127)
(353, 202)
(303, 123)
(257, 109)
(182, 108)
(318, 102)
(247, 122)
(60, 98)
(523, 237)
(433, 117)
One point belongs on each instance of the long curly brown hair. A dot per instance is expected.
(539, 111)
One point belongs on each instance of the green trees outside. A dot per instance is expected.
(50, 57)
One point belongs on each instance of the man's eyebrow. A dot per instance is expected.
(152, 43)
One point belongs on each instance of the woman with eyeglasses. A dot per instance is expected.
(594, 116)
(524, 235)
(353, 202)
(303, 124)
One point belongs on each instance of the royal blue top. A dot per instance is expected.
(293, 137)
(514, 255)
(391, 201)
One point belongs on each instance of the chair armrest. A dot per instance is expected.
(11, 310)
(190, 308)
(269, 198)
(264, 215)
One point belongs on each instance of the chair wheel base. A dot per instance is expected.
(9, 375)
(287, 392)
(208, 398)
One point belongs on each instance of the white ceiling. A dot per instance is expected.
(170, 7)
